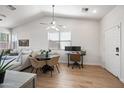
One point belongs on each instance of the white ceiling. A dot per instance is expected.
(27, 13)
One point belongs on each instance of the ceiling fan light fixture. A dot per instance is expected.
(57, 29)
(52, 27)
(94, 11)
(63, 26)
(53, 22)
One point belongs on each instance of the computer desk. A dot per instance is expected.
(69, 53)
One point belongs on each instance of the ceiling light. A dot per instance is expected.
(1, 19)
(64, 26)
(94, 11)
(52, 27)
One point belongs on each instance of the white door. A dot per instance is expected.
(112, 50)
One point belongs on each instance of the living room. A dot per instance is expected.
(34, 30)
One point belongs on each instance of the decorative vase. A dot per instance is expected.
(2, 76)
(47, 54)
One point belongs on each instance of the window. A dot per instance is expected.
(58, 40)
(4, 40)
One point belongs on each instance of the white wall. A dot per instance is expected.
(5, 30)
(85, 33)
(113, 18)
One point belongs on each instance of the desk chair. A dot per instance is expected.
(76, 58)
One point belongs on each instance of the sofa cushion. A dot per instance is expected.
(14, 64)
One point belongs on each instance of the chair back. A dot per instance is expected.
(35, 63)
(54, 60)
(75, 57)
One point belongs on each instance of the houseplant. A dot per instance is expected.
(83, 52)
(45, 52)
(3, 66)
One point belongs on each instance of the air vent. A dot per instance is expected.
(1, 19)
(84, 10)
(2, 16)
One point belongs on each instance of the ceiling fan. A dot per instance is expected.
(53, 24)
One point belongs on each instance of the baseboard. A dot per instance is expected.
(122, 80)
(65, 62)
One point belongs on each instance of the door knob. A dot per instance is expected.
(117, 54)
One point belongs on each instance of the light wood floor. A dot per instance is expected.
(88, 77)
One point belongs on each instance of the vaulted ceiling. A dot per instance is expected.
(26, 13)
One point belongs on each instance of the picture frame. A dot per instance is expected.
(24, 42)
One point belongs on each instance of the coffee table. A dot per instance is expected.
(15, 79)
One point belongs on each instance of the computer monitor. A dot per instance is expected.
(72, 48)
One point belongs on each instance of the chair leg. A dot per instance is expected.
(72, 66)
(32, 69)
(57, 69)
(41, 69)
(58, 64)
(79, 67)
(75, 64)
(51, 73)
(36, 70)
(53, 67)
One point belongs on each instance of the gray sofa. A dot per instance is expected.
(20, 61)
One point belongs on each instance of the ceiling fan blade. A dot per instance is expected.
(63, 26)
(2, 15)
(11, 7)
(44, 23)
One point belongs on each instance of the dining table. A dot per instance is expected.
(46, 68)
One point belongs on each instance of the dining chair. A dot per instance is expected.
(36, 64)
(54, 62)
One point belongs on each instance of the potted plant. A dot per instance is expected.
(45, 52)
(42, 51)
(83, 52)
(3, 66)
